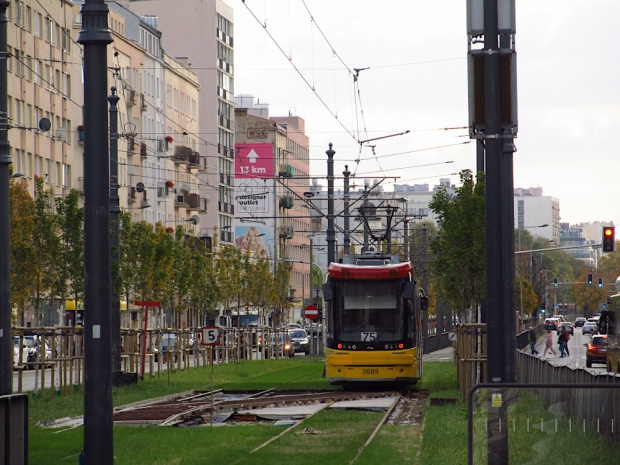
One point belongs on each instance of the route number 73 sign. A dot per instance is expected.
(210, 336)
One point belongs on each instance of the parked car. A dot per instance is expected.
(579, 322)
(589, 327)
(596, 350)
(301, 340)
(566, 325)
(284, 343)
(30, 350)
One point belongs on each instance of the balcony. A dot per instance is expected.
(131, 98)
(286, 202)
(181, 154)
(286, 171)
(193, 202)
(131, 145)
(194, 160)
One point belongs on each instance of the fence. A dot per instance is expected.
(60, 366)
(592, 406)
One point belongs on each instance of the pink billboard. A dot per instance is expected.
(254, 161)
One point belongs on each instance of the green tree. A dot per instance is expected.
(46, 243)
(23, 250)
(460, 248)
(70, 258)
(587, 297)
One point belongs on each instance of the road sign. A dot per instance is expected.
(210, 336)
(311, 312)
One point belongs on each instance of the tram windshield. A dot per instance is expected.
(369, 311)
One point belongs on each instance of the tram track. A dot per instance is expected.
(198, 407)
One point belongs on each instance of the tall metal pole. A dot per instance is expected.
(331, 232)
(406, 238)
(501, 322)
(347, 238)
(6, 338)
(115, 210)
(98, 438)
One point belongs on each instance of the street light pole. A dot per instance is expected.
(6, 339)
(98, 425)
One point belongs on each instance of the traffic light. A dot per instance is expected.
(555, 282)
(600, 282)
(590, 278)
(609, 238)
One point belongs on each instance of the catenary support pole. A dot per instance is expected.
(115, 210)
(331, 232)
(98, 438)
(347, 225)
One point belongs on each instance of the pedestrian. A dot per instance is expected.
(566, 345)
(549, 344)
(562, 342)
(532, 341)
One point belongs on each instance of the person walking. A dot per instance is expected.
(562, 342)
(532, 341)
(549, 344)
(566, 345)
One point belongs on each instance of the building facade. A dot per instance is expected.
(201, 34)
(533, 210)
(272, 176)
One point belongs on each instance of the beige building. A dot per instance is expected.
(44, 84)
(202, 31)
(159, 163)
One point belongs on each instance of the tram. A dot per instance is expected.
(373, 322)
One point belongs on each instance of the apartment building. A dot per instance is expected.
(44, 94)
(202, 32)
(159, 164)
(272, 175)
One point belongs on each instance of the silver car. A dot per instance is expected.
(589, 327)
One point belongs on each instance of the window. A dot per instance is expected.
(38, 24)
(28, 18)
(19, 13)
(38, 69)
(29, 65)
(66, 40)
(49, 30)
(9, 60)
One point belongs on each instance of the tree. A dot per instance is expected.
(587, 297)
(460, 248)
(46, 243)
(70, 260)
(23, 250)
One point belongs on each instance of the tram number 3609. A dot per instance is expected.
(370, 371)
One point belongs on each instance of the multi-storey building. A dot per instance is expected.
(202, 31)
(44, 94)
(272, 176)
(533, 210)
(573, 236)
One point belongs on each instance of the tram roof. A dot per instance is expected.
(388, 271)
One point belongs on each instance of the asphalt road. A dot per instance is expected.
(576, 348)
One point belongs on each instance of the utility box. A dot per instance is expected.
(14, 432)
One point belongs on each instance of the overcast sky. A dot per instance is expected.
(568, 63)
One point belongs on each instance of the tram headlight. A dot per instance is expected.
(400, 346)
(339, 346)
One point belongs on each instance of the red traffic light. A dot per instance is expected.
(609, 238)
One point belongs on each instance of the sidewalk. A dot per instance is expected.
(442, 355)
